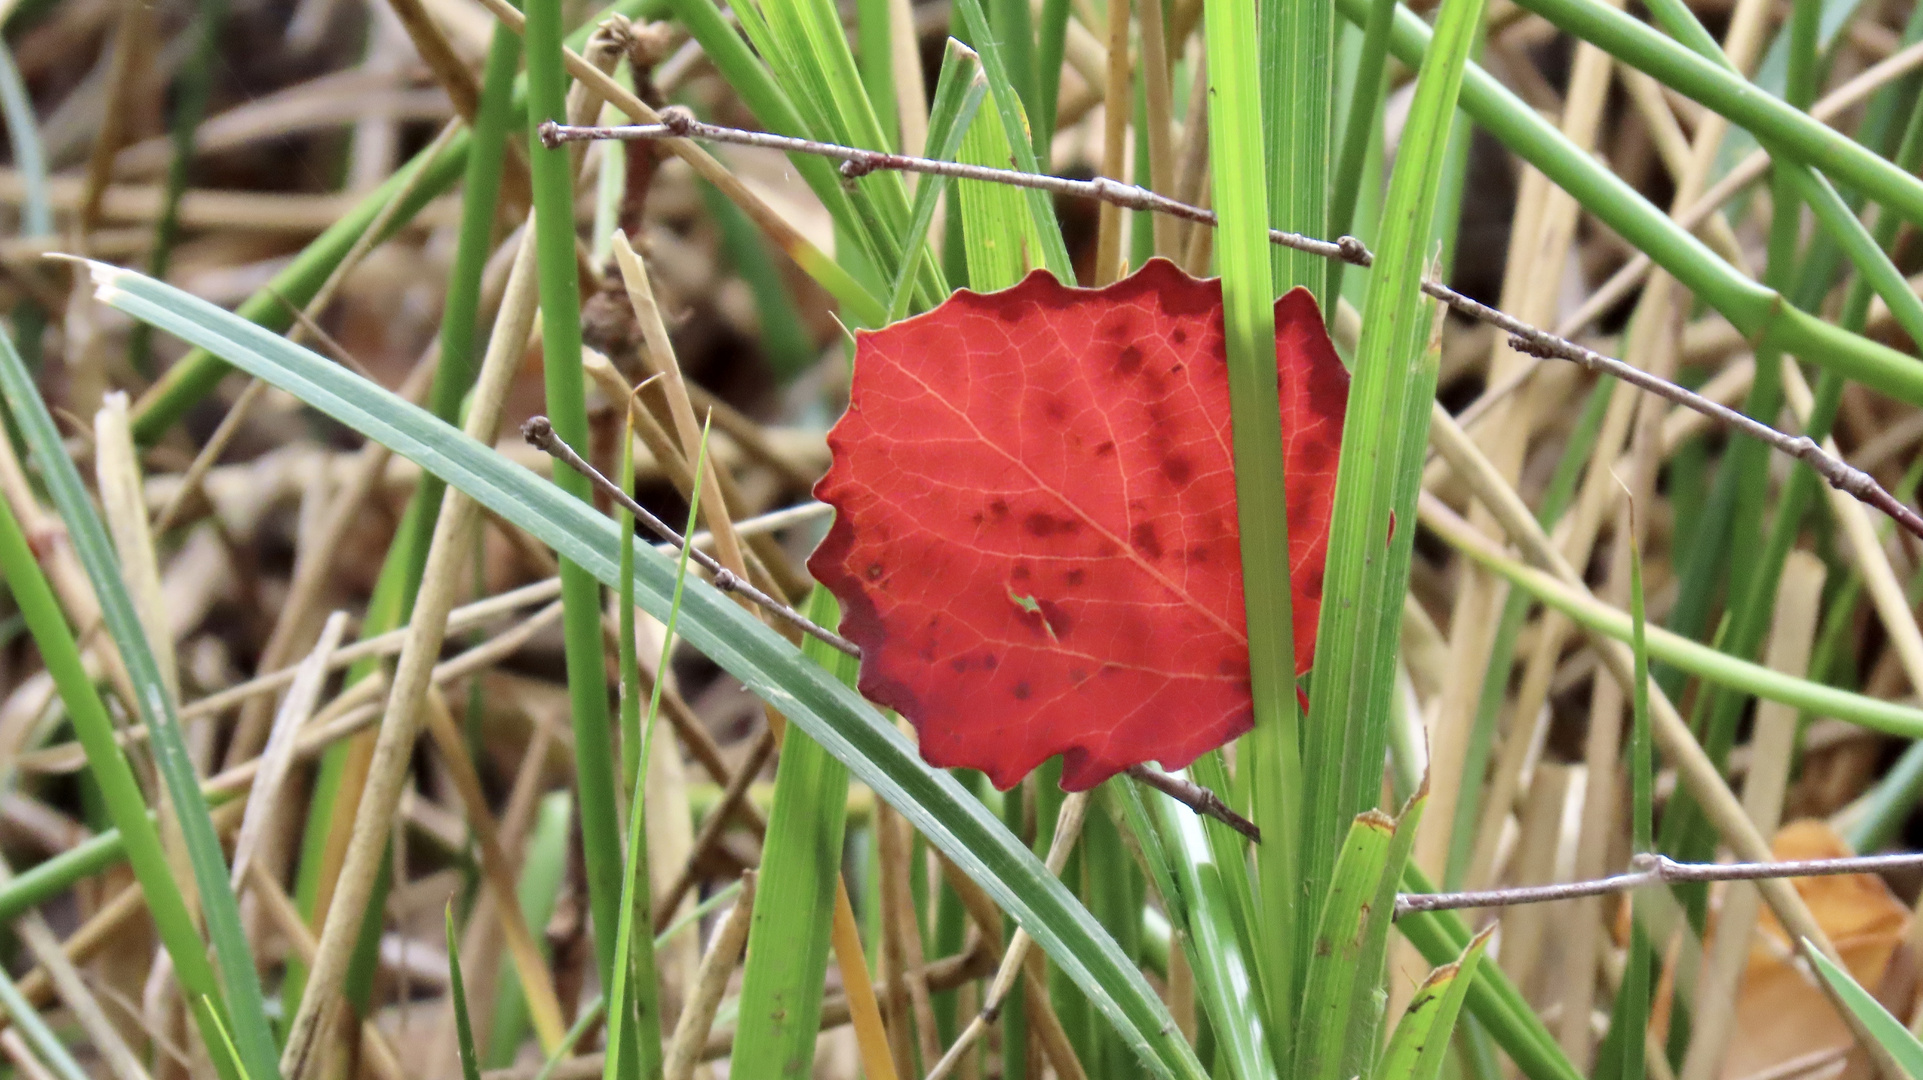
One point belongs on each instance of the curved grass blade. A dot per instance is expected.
(243, 1000)
(1888, 1031)
(1440, 937)
(831, 713)
(1416, 1050)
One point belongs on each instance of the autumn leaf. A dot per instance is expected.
(1035, 540)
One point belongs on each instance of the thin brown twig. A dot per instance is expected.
(540, 434)
(1524, 337)
(1648, 869)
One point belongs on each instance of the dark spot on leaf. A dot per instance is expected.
(1075, 577)
(1039, 524)
(1055, 410)
(1021, 691)
(1115, 327)
(1199, 553)
(1177, 369)
(978, 517)
(1079, 675)
(989, 661)
(1104, 448)
(999, 509)
(1145, 541)
(875, 571)
(927, 651)
(1129, 360)
(1392, 528)
(959, 663)
(1179, 336)
(1324, 947)
(1177, 469)
(1020, 573)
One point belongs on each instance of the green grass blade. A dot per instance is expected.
(457, 988)
(1362, 128)
(1197, 902)
(243, 1000)
(1421, 1039)
(1832, 214)
(1383, 443)
(1621, 1054)
(220, 1048)
(1335, 969)
(1493, 1000)
(33, 1027)
(553, 181)
(999, 233)
(1041, 209)
(1049, 50)
(633, 1000)
(1297, 46)
(819, 704)
(1888, 1031)
(1272, 763)
(958, 95)
(789, 931)
(875, 61)
(1370, 999)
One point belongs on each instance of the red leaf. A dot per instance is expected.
(1035, 540)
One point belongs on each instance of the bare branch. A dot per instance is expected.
(1653, 870)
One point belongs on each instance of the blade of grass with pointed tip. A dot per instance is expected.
(958, 95)
(226, 1059)
(243, 1001)
(1384, 439)
(1621, 1053)
(1421, 1038)
(1369, 997)
(813, 699)
(1440, 937)
(1888, 1031)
